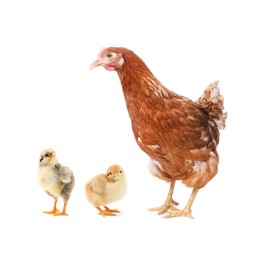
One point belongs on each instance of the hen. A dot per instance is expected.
(180, 136)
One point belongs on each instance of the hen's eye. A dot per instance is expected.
(109, 55)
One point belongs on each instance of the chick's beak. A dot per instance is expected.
(95, 64)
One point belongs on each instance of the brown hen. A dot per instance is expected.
(179, 135)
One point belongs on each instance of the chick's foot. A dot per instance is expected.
(111, 210)
(63, 213)
(106, 212)
(54, 211)
(60, 214)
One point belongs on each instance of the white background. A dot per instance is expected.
(49, 98)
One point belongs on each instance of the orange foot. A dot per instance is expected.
(107, 211)
(111, 210)
(54, 211)
(60, 214)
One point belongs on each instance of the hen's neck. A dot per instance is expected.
(139, 80)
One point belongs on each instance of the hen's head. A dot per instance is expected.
(111, 58)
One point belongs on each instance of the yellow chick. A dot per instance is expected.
(106, 188)
(57, 180)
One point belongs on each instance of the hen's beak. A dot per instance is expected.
(95, 64)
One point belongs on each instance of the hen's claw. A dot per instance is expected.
(173, 214)
(168, 205)
(186, 212)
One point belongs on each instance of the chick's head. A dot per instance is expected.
(48, 157)
(115, 172)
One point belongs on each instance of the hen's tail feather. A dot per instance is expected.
(213, 102)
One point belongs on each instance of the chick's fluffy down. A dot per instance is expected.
(101, 191)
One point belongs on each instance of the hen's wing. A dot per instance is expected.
(178, 127)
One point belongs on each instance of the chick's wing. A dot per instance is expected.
(98, 184)
(65, 175)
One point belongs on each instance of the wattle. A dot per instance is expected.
(109, 67)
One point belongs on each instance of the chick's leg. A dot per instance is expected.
(169, 203)
(54, 210)
(63, 213)
(187, 209)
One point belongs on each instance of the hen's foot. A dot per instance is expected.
(186, 212)
(180, 213)
(168, 205)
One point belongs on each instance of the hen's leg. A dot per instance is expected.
(105, 212)
(169, 204)
(54, 210)
(63, 213)
(187, 210)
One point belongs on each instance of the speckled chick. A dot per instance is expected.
(106, 188)
(57, 180)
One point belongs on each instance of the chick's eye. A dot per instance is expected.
(47, 155)
(110, 173)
